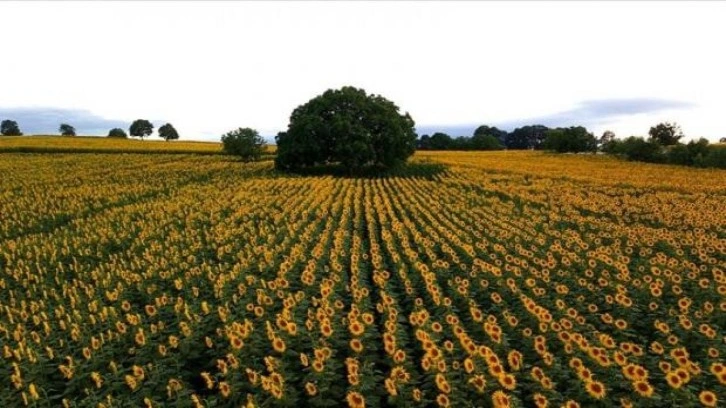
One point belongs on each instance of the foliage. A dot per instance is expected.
(167, 132)
(485, 142)
(574, 139)
(442, 141)
(508, 278)
(10, 128)
(116, 132)
(605, 140)
(245, 143)
(691, 154)
(349, 127)
(638, 149)
(666, 134)
(484, 130)
(697, 153)
(66, 130)
(716, 157)
(141, 128)
(527, 137)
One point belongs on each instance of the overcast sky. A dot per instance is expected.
(208, 67)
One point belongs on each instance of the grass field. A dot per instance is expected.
(464, 279)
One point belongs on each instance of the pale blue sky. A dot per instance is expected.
(208, 67)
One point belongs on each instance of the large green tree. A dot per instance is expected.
(141, 128)
(10, 128)
(349, 127)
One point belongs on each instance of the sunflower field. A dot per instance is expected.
(502, 279)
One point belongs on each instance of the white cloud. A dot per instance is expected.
(209, 67)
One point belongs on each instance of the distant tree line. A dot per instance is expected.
(139, 128)
(662, 146)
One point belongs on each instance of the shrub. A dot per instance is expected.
(245, 143)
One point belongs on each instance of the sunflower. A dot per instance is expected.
(224, 389)
(707, 398)
(443, 400)
(236, 342)
(643, 388)
(130, 381)
(468, 365)
(442, 384)
(479, 382)
(540, 401)
(508, 381)
(355, 400)
(500, 399)
(311, 389)
(279, 345)
(138, 372)
(674, 380)
(391, 387)
(356, 328)
(596, 389)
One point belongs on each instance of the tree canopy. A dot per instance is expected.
(66, 130)
(10, 128)
(574, 139)
(141, 128)
(527, 137)
(117, 132)
(167, 132)
(666, 134)
(484, 130)
(348, 127)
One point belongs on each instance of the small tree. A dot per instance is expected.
(141, 128)
(116, 132)
(722, 140)
(244, 142)
(167, 132)
(665, 134)
(10, 128)
(67, 130)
